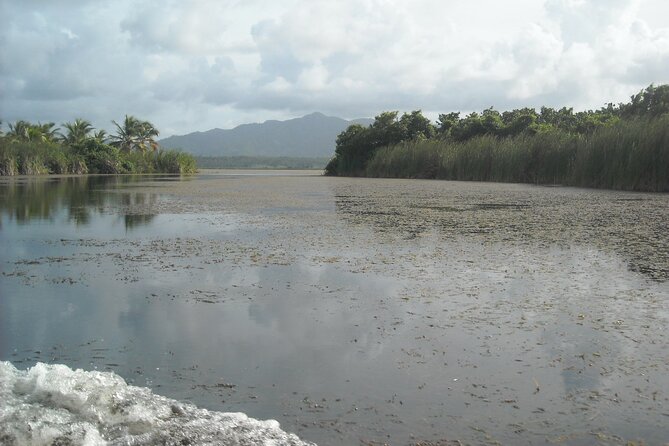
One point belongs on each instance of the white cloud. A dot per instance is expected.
(198, 64)
(187, 28)
(314, 78)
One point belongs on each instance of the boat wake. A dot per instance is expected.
(55, 405)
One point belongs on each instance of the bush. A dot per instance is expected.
(172, 161)
(99, 157)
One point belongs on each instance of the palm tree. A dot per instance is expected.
(147, 133)
(48, 131)
(25, 131)
(19, 130)
(134, 135)
(100, 136)
(126, 135)
(77, 131)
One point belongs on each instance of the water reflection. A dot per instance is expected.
(76, 199)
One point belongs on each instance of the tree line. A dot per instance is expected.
(78, 148)
(523, 145)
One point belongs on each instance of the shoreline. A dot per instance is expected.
(313, 173)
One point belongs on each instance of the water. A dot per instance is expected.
(350, 310)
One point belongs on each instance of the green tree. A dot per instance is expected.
(46, 132)
(491, 121)
(651, 102)
(134, 134)
(19, 130)
(589, 121)
(146, 136)
(416, 126)
(446, 122)
(25, 131)
(125, 138)
(351, 152)
(519, 121)
(468, 127)
(100, 136)
(76, 132)
(386, 130)
(357, 144)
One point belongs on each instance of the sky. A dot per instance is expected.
(193, 65)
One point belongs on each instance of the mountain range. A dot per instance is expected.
(313, 135)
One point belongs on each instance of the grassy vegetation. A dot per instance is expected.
(42, 158)
(31, 158)
(618, 147)
(630, 155)
(39, 149)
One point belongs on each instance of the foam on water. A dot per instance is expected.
(55, 405)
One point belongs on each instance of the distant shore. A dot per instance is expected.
(260, 162)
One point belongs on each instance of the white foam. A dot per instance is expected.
(55, 405)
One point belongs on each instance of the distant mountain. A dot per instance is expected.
(312, 135)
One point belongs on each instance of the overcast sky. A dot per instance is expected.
(199, 64)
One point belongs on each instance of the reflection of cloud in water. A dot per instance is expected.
(573, 348)
(321, 306)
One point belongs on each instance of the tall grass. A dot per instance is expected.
(41, 158)
(38, 158)
(630, 155)
(161, 161)
(171, 161)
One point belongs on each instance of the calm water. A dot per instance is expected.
(352, 310)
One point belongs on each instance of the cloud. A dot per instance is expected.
(198, 64)
(582, 21)
(187, 28)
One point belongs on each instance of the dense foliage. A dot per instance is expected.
(35, 149)
(624, 146)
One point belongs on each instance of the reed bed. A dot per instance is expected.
(629, 155)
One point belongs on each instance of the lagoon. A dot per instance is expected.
(352, 311)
